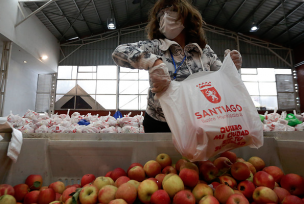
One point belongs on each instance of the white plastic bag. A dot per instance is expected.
(211, 112)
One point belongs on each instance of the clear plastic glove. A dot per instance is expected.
(160, 78)
(236, 57)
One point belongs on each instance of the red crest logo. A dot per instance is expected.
(211, 95)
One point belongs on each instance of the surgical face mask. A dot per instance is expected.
(169, 26)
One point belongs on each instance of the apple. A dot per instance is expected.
(121, 180)
(222, 193)
(215, 184)
(264, 194)
(240, 171)
(7, 199)
(31, 197)
(118, 172)
(6, 189)
(70, 201)
(134, 164)
(118, 201)
(247, 188)
(237, 199)
(164, 160)
(145, 190)
(227, 180)
(58, 196)
(102, 181)
(276, 184)
(127, 192)
(223, 164)
(208, 171)
(172, 184)
(160, 197)
(106, 194)
(230, 155)
(57, 186)
(34, 181)
(152, 168)
(88, 195)
(257, 162)
(293, 183)
(156, 181)
(137, 173)
(66, 193)
(250, 177)
(134, 183)
(179, 163)
(43, 188)
(189, 177)
(75, 185)
(108, 174)
(291, 199)
(46, 196)
(251, 167)
(184, 197)
(275, 172)
(208, 199)
(240, 159)
(160, 178)
(281, 193)
(56, 202)
(262, 178)
(189, 165)
(20, 191)
(88, 178)
(238, 192)
(169, 169)
(201, 190)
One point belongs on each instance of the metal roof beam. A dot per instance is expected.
(251, 14)
(299, 35)
(289, 28)
(236, 11)
(224, 4)
(282, 19)
(206, 7)
(286, 22)
(95, 8)
(77, 7)
(112, 10)
(271, 12)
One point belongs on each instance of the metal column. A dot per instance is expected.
(53, 94)
(118, 71)
(5, 60)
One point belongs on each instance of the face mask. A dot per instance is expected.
(169, 26)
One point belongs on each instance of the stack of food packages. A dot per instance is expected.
(283, 122)
(33, 122)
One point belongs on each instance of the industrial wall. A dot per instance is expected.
(100, 52)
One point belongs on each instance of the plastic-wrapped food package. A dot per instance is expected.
(26, 129)
(289, 128)
(109, 120)
(299, 117)
(111, 129)
(267, 128)
(100, 124)
(42, 129)
(141, 129)
(44, 116)
(139, 118)
(66, 123)
(31, 115)
(129, 129)
(299, 127)
(278, 126)
(57, 121)
(65, 117)
(15, 120)
(56, 129)
(119, 129)
(90, 129)
(128, 121)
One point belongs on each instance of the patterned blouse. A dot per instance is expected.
(143, 54)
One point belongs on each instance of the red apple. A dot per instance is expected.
(6, 189)
(237, 199)
(264, 194)
(137, 173)
(57, 186)
(20, 191)
(172, 184)
(251, 167)
(227, 180)
(118, 201)
(281, 193)
(230, 155)
(257, 162)
(247, 188)
(34, 182)
(223, 164)
(293, 183)
(169, 169)
(222, 193)
(189, 165)
(134, 164)
(134, 183)
(240, 171)
(106, 194)
(179, 163)
(88, 194)
(275, 172)
(240, 159)
(208, 171)
(184, 197)
(189, 176)
(127, 192)
(102, 181)
(201, 190)
(291, 199)
(156, 181)
(121, 180)
(145, 190)
(58, 196)
(7, 199)
(108, 174)
(118, 172)
(152, 168)
(164, 160)
(43, 188)
(88, 178)
(262, 178)
(208, 199)
(31, 197)
(238, 192)
(160, 197)
(66, 193)
(215, 184)
(46, 196)
(160, 178)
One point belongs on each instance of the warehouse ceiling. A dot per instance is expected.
(279, 21)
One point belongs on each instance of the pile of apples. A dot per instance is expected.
(226, 180)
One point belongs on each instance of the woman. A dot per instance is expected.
(176, 48)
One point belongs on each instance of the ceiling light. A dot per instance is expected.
(73, 38)
(24, 62)
(254, 27)
(44, 57)
(111, 23)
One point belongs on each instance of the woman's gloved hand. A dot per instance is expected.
(160, 78)
(236, 57)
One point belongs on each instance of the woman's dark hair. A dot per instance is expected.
(188, 14)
